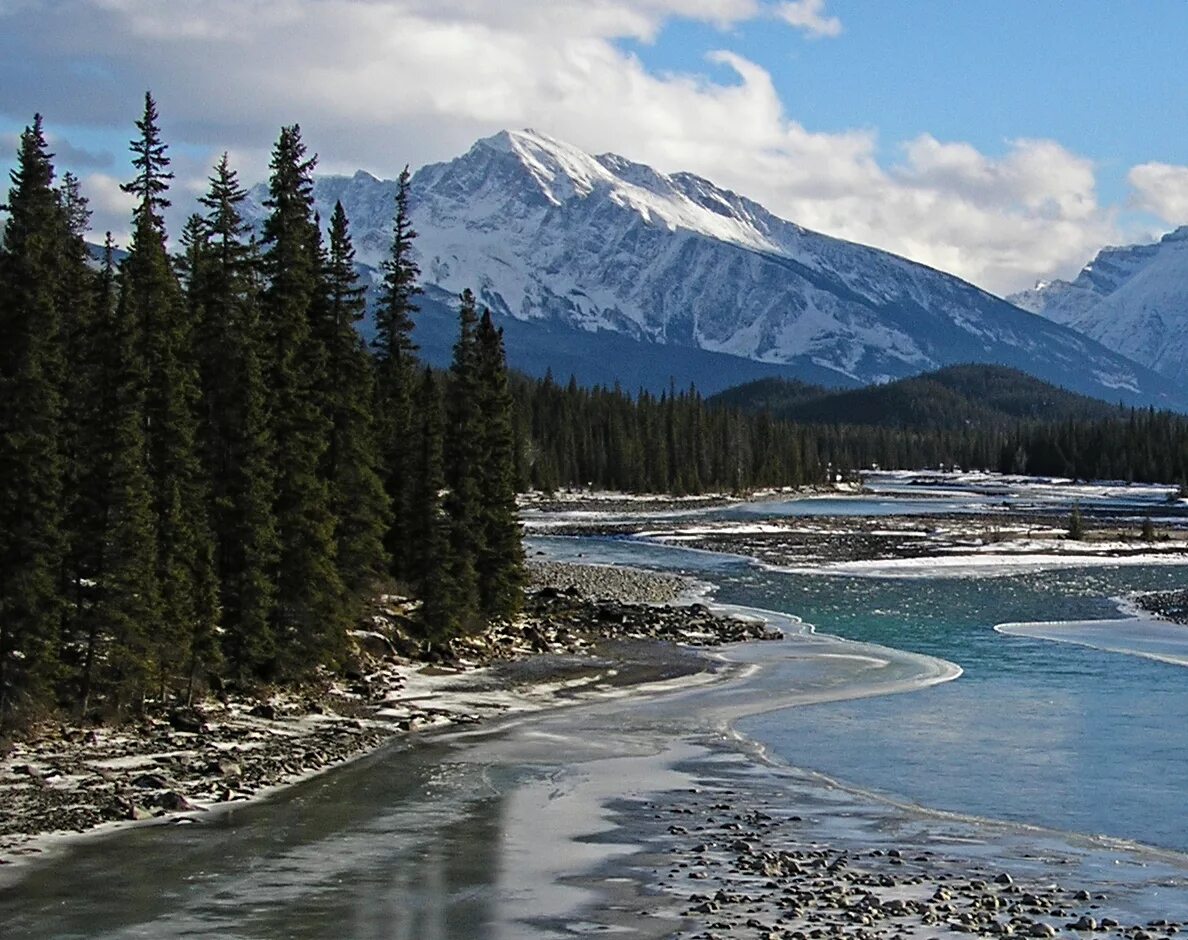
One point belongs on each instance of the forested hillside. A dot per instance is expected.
(206, 474)
(968, 417)
(947, 399)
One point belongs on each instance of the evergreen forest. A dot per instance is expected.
(743, 439)
(207, 476)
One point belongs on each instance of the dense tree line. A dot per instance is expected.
(205, 474)
(679, 443)
(674, 442)
(1144, 446)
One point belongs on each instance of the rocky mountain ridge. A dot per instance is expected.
(560, 241)
(1131, 299)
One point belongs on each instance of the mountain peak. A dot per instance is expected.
(571, 244)
(560, 170)
(1132, 299)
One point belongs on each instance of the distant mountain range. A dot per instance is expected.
(1133, 300)
(953, 398)
(614, 271)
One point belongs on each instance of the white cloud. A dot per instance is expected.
(809, 15)
(111, 208)
(1162, 189)
(380, 83)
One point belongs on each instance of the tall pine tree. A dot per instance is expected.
(311, 615)
(463, 455)
(123, 610)
(76, 285)
(358, 499)
(431, 567)
(395, 357)
(150, 295)
(500, 561)
(31, 474)
(234, 430)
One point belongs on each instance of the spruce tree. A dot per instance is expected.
(151, 296)
(311, 616)
(31, 474)
(395, 358)
(500, 562)
(1076, 524)
(115, 514)
(463, 453)
(358, 499)
(429, 525)
(236, 440)
(76, 301)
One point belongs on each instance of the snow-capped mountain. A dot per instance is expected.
(1133, 300)
(551, 237)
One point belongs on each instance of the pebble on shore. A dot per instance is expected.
(631, 585)
(74, 778)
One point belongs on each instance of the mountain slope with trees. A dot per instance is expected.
(981, 396)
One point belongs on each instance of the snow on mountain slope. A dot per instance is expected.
(547, 234)
(1133, 300)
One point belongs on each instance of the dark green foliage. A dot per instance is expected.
(123, 608)
(950, 399)
(463, 467)
(358, 499)
(1141, 446)
(499, 564)
(82, 402)
(1148, 530)
(235, 436)
(193, 484)
(1076, 524)
(310, 616)
(670, 444)
(430, 527)
(151, 297)
(396, 368)
(31, 472)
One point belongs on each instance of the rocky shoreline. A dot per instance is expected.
(751, 868)
(72, 779)
(1166, 605)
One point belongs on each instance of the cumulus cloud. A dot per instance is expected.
(379, 83)
(810, 16)
(1162, 189)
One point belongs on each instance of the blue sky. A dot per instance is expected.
(1105, 79)
(1002, 140)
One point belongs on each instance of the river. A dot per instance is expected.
(525, 828)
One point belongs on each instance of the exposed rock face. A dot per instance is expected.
(1132, 299)
(600, 246)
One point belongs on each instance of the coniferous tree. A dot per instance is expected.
(395, 358)
(234, 430)
(151, 296)
(310, 615)
(76, 300)
(113, 515)
(463, 442)
(500, 561)
(358, 499)
(31, 474)
(430, 527)
(1076, 524)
